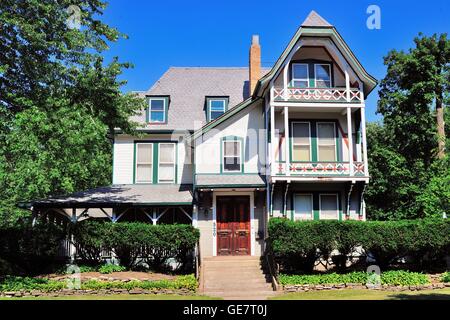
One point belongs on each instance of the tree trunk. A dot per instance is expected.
(440, 126)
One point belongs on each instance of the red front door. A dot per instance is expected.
(233, 225)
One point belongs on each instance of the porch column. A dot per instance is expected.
(347, 85)
(195, 216)
(272, 140)
(286, 141)
(364, 141)
(350, 139)
(285, 82)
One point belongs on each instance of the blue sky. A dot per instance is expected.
(218, 33)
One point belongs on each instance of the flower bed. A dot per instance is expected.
(17, 286)
(390, 280)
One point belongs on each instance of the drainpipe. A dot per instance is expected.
(361, 209)
(349, 199)
(285, 199)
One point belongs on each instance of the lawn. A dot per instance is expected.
(119, 297)
(353, 294)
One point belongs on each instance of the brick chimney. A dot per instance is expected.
(254, 69)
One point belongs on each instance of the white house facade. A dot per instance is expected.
(226, 149)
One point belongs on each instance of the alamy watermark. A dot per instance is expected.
(373, 277)
(74, 19)
(374, 20)
(73, 282)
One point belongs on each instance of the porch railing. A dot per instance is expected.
(353, 95)
(321, 169)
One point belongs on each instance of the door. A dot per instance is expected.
(233, 225)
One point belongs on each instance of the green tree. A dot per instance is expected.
(404, 149)
(59, 101)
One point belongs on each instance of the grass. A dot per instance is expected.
(119, 297)
(354, 294)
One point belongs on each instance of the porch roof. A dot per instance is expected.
(237, 180)
(122, 195)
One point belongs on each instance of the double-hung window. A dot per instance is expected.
(301, 141)
(303, 207)
(326, 141)
(166, 165)
(232, 158)
(157, 110)
(300, 75)
(322, 75)
(216, 107)
(144, 163)
(329, 207)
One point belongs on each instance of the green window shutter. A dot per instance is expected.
(156, 162)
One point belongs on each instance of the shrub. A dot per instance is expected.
(30, 249)
(110, 268)
(394, 278)
(446, 277)
(297, 245)
(24, 283)
(91, 238)
(156, 244)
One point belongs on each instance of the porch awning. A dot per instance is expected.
(238, 180)
(121, 196)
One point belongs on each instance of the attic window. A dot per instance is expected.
(157, 110)
(216, 107)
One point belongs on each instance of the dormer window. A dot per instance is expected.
(157, 110)
(216, 107)
(311, 75)
(300, 75)
(323, 75)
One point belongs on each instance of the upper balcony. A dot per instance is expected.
(336, 95)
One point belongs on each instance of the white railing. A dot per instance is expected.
(321, 169)
(318, 95)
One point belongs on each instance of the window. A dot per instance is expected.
(303, 207)
(216, 107)
(166, 166)
(232, 156)
(144, 163)
(301, 141)
(300, 76)
(329, 208)
(157, 110)
(326, 141)
(322, 75)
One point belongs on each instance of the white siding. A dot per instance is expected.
(123, 161)
(247, 125)
(124, 157)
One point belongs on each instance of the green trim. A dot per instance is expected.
(214, 186)
(312, 71)
(155, 158)
(232, 138)
(231, 112)
(166, 108)
(316, 202)
(314, 139)
(207, 106)
(318, 32)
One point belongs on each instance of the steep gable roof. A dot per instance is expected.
(315, 20)
(316, 26)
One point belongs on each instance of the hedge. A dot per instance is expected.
(29, 250)
(297, 245)
(394, 278)
(131, 241)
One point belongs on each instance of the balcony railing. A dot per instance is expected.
(312, 169)
(336, 95)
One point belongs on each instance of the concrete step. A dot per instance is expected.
(241, 294)
(237, 286)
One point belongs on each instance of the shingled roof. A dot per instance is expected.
(189, 86)
(315, 20)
